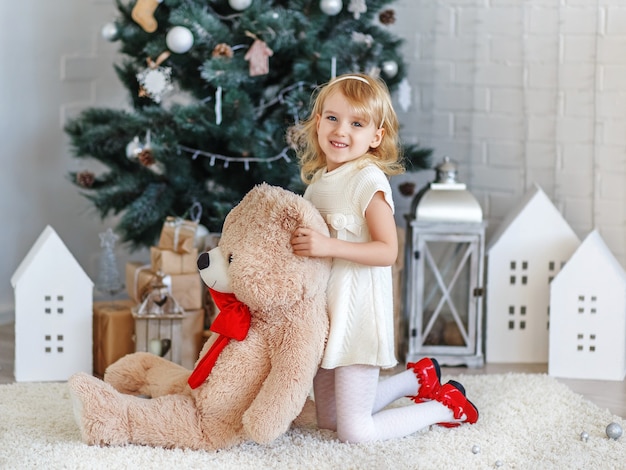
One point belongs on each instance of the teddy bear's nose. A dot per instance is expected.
(203, 261)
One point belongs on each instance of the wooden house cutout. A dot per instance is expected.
(53, 313)
(588, 315)
(525, 253)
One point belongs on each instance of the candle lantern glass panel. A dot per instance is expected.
(445, 299)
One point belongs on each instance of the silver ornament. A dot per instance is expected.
(331, 7)
(475, 449)
(179, 39)
(134, 148)
(390, 68)
(239, 4)
(200, 239)
(110, 32)
(614, 431)
(584, 436)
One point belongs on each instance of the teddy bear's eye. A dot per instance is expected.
(230, 258)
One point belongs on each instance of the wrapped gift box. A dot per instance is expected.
(178, 235)
(188, 289)
(170, 262)
(113, 330)
(114, 334)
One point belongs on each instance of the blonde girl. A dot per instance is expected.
(349, 151)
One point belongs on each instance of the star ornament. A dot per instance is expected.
(108, 238)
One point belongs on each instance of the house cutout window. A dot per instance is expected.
(514, 267)
(53, 304)
(586, 342)
(552, 269)
(587, 304)
(54, 343)
(516, 316)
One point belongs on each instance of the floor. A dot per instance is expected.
(606, 394)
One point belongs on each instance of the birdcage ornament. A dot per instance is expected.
(158, 322)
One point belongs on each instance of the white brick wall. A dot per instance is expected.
(521, 92)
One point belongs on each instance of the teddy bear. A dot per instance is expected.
(255, 372)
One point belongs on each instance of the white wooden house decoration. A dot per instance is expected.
(53, 313)
(526, 252)
(588, 315)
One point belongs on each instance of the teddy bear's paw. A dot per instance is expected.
(99, 411)
(263, 430)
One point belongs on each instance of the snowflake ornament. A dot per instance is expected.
(361, 38)
(155, 82)
(356, 7)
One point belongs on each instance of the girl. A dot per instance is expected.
(349, 149)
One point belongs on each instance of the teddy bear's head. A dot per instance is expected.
(254, 259)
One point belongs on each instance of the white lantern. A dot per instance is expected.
(444, 277)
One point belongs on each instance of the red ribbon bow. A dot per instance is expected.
(233, 322)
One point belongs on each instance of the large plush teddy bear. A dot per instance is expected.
(253, 378)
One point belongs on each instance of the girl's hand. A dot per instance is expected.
(307, 242)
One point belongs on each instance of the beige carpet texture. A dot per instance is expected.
(527, 421)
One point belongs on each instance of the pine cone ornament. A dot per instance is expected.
(222, 50)
(146, 158)
(387, 17)
(85, 179)
(407, 189)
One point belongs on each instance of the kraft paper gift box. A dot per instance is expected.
(178, 235)
(170, 262)
(113, 330)
(114, 334)
(187, 289)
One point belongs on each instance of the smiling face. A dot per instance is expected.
(343, 134)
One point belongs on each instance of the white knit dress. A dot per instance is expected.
(360, 299)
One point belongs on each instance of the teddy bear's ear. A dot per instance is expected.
(291, 219)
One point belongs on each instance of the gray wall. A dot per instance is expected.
(517, 91)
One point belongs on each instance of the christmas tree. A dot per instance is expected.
(216, 87)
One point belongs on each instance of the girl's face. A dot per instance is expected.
(343, 135)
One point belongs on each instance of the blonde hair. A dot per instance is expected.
(370, 98)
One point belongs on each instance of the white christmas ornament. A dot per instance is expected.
(179, 39)
(356, 7)
(155, 82)
(239, 4)
(331, 7)
(390, 68)
(134, 148)
(109, 32)
(404, 95)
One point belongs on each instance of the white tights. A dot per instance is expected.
(349, 400)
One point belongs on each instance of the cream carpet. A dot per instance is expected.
(527, 421)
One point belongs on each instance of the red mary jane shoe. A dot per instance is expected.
(452, 395)
(428, 375)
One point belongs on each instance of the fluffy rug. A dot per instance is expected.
(527, 421)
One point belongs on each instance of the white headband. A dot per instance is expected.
(351, 77)
(361, 79)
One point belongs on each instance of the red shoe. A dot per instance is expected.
(428, 375)
(452, 395)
